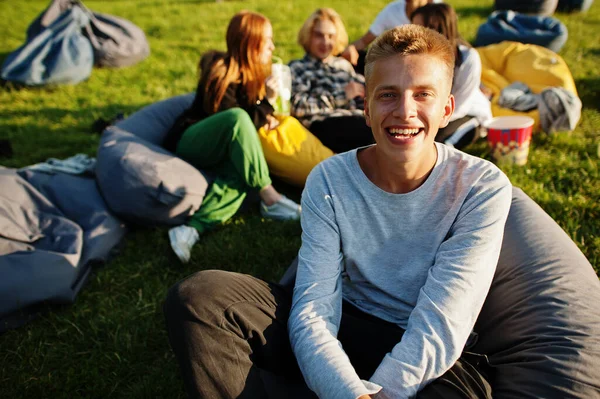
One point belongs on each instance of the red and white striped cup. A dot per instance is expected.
(509, 138)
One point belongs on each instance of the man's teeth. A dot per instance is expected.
(404, 132)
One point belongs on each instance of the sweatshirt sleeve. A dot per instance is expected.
(453, 294)
(317, 302)
(466, 82)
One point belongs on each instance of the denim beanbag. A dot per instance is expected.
(141, 181)
(512, 26)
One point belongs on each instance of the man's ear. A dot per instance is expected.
(448, 111)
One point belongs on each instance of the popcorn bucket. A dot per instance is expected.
(283, 74)
(509, 138)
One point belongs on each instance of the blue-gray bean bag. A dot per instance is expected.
(540, 323)
(516, 27)
(141, 181)
(53, 228)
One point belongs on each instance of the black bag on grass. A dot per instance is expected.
(117, 42)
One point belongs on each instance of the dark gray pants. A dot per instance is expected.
(229, 334)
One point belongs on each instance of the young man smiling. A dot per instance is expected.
(404, 235)
(400, 242)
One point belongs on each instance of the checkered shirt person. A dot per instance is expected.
(318, 89)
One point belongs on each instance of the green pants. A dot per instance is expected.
(226, 145)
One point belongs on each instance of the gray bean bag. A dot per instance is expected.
(512, 26)
(141, 181)
(540, 324)
(53, 228)
(116, 42)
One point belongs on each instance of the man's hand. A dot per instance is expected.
(354, 89)
(351, 54)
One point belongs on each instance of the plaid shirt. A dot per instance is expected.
(318, 89)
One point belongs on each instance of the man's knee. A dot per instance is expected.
(237, 117)
(197, 294)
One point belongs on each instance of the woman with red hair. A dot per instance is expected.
(218, 133)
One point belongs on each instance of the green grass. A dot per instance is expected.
(112, 341)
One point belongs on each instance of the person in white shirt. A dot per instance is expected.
(396, 13)
(472, 106)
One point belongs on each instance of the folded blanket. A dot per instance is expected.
(559, 109)
(518, 96)
(76, 165)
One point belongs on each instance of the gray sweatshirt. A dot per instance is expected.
(423, 260)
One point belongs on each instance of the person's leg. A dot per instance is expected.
(228, 331)
(464, 380)
(343, 133)
(367, 339)
(226, 141)
(227, 145)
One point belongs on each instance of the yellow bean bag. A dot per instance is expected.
(291, 150)
(538, 67)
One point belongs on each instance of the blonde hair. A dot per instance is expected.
(321, 14)
(241, 64)
(408, 40)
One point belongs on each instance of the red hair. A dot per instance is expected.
(241, 65)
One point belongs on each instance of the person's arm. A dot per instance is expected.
(467, 82)
(317, 302)
(308, 98)
(260, 113)
(351, 52)
(453, 294)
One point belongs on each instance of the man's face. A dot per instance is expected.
(322, 39)
(408, 100)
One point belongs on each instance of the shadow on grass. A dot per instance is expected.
(161, 4)
(83, 116)
(44, 136)
(477, 11)
(3, 56)
(588, 89)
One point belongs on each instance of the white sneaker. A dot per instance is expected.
(182, 240)
(284, 209)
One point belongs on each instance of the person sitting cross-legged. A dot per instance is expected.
(400, 242)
